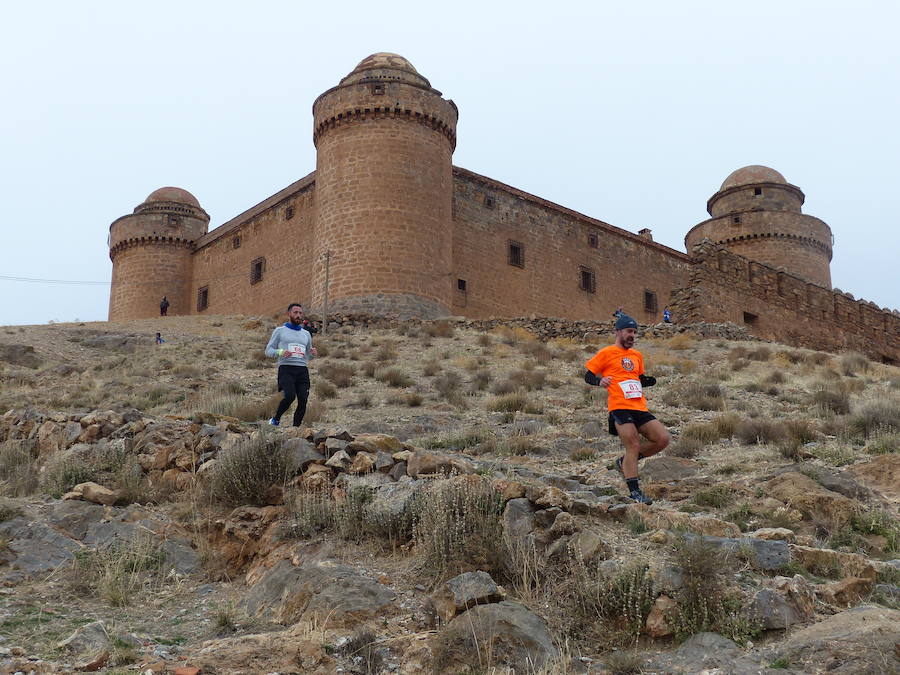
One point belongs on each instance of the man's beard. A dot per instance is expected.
(628, 343)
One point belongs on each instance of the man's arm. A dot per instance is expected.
(272, 350)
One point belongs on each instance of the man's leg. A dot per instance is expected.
(656, 438)
(288, 390)
(628, 434)
(302, 387)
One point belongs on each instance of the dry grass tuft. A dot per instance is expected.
(393, 377)
(245, 473)
(853, 363)
(339, 374)
(441, 329)
(681, 341)
(19, 475)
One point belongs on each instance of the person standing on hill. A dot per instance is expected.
(164, 306)
(620, 370)
(292, 345)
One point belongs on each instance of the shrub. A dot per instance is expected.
(882, 415)
(481, 380)
(484, 340)
(431, 368)
(339, 374)
(240, 406)
(460, 528)
(759, 431)
(393, 377)
(759, 354)
(62, 474)
(702, 396)
(315, 412)
(442, 329)
(680, 341)
(831, 396)
(584, 454)
(18, 469)
(514, 402)
(717, 496)
(686, 447)
(244, 473)
(385, 353)
(884, 444)
(880, 523)
(852, 363)
(460, 441)
(324, 389)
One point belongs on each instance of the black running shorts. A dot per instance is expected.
(636, 417)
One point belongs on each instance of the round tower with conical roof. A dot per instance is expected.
(756, 213)
(151, 254)
(384, 187)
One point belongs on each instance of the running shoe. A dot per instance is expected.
(273, 422)
(640, 497)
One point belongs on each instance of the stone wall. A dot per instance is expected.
(281, 239)
(557, 244)
(724, 286)
(146, 270)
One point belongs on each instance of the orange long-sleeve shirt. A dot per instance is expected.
(624, 366)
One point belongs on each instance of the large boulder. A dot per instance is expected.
(812, 499)
(859, 640)
(881, 473)
(464, 591)
(502, 634)
(331, 592)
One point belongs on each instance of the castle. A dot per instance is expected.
(386, 224)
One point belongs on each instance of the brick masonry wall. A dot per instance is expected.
(799, 243)
(778, 306)
(284, 243)
(145, 271)
(383, 188)
(555, 241)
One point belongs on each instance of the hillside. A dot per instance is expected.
(432, 450)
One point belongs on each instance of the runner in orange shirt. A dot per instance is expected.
(620, 370)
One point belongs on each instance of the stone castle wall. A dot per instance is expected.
(144, 272)
(270, 233)
(557, 244)
(774, 305)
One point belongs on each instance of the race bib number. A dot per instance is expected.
(631, 388)
(295, 349)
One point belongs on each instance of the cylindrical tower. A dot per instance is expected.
(384, 187)
(756, 214)
(151, 254)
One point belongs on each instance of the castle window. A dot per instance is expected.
(750, 319)
(488, 202)
(736, 220)
(593, 240)
(377, 88)
(588, 280)
(461, 285)
(202, 298)
(516, 254)
(257, 267)
(757, 191)
(289, 213)
(649, 301)
(236, 242)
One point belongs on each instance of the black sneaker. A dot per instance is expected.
(640, 497)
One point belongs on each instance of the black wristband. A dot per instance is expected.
(591, 379)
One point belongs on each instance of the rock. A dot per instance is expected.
(835, 564)
(375, 443)
(340, 460)
(518, 518)
(767, 555)
(518, 639)
(300, 453)
(592, 429)
(90, 646)
(663, 469)
(844, 593)
(774, 534)
(508, 489)
(881, 473)
(402, 456)
(383, 462)
(656, 625)
(335, 445)
(551, 497)
(423, 463)
(396, 502)
(363, 462)
(398, 471)
(564, 523)
(772, 610)
(318, 590)
(813, 500)
(699, 653)
(858, 640)
(465, 591)
(545, 517)
(19, 355)
(667, 578)
(97, 494)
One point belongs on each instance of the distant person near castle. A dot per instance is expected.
(164, 306)
(292, 345)
(667, 315)
(620, 370)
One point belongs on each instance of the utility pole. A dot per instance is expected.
(327, 255)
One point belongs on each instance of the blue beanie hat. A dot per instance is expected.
(624, 322)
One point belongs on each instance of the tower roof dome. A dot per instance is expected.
(755, 173)
(173, 194)
(385, 66)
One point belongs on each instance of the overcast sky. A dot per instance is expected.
(633, 113)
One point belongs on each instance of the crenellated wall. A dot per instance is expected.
(775, 305)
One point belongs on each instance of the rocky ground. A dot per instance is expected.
(449, 508)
